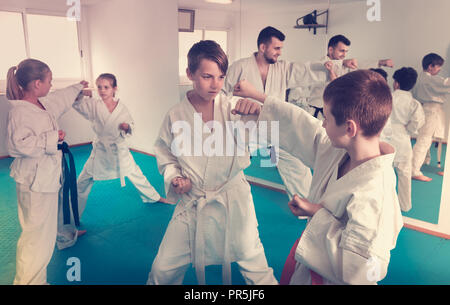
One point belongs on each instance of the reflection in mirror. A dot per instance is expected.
(373, 40)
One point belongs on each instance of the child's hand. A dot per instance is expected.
(124, 126)
(181, 185)
(87, 92)
(246, 107)
(302, 207)
(84, 83)
(350, 63)
(386, 63)
(61, 135)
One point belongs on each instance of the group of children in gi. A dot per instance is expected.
(352, 205)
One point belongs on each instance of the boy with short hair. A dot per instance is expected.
(407, 118)
(214, 221)
(354, 212)
(430, 90)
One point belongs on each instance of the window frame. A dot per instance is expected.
(183, 80)
(58, 83)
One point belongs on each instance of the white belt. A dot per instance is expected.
(202, 198)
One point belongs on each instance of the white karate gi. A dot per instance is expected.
(431, 92)
(320, 77)
(349, 240)
(32, 139)
(214, 223)
(407, 118)
(110, 156)
(282, 75)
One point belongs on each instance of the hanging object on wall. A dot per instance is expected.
(310, 21)
(186, 20)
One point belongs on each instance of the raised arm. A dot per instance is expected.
(300, 133)
(60, 101)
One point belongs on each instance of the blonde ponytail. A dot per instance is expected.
(13, 90)
(27, 71)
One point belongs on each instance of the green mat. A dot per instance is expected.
(123, 236)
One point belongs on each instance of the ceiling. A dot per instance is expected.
(261, 4)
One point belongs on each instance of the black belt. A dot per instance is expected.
(318, 109)
(69, 185)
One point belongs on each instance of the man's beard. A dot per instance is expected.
(269, 60)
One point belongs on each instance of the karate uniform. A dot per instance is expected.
(407, 118)
(349, 240)
(431, 92)
(32, 139)
(215, 222)
(110, 156)
(282, 75)
(320, 77)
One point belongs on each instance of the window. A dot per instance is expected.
(51, 39)
(187, 39)
(13, 46)
(54, 40)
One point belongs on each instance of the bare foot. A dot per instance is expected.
(422, 178)
(164, 200)
(440, 173)
(81, 233)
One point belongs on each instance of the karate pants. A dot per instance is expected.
(433, 120)
(38, 219)
(295, 175)
(404, 184)
(174, 258)
(137, 178)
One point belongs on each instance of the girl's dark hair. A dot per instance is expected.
(27, 71)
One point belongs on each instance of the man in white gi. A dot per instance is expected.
(272, 76)
(431, 91)
(355, 214)
(338, 47)
(407, 118)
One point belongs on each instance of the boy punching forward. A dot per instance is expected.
(354, 212)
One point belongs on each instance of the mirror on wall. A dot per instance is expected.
(393, 36)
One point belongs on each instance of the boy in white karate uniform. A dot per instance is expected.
(431, 91)
(354, 212)
(407, 118)
(32, 138)
(215, 220)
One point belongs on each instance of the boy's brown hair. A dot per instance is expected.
(207, 49)
(362, 96)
